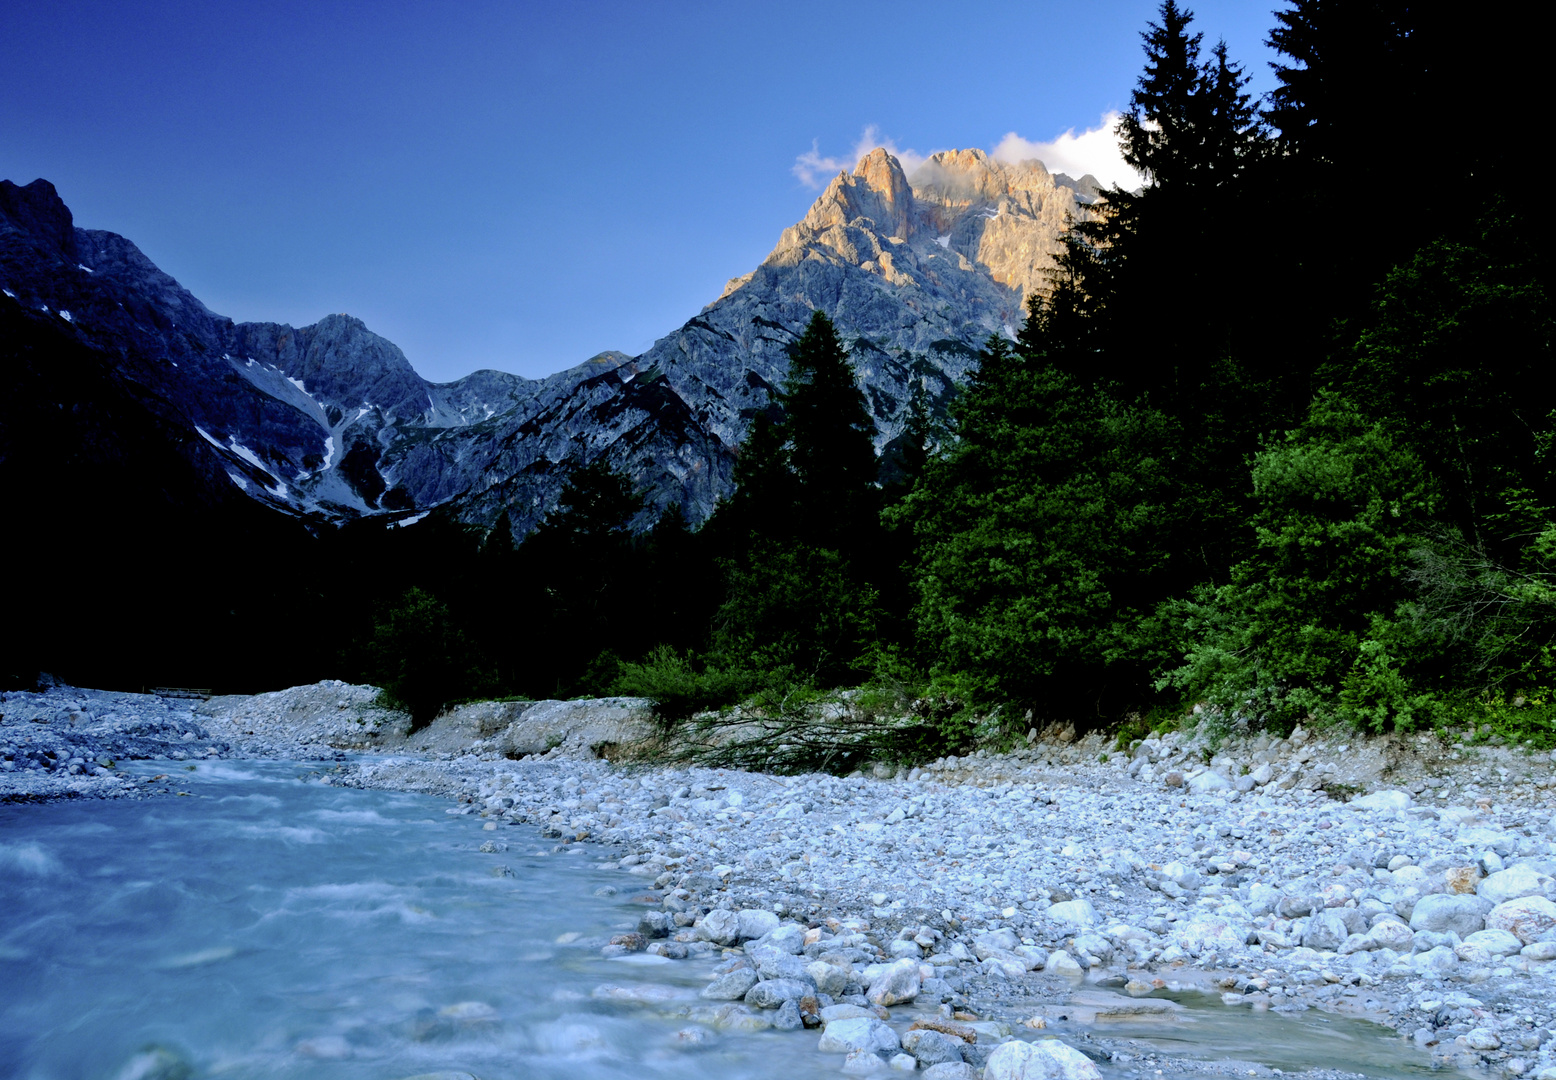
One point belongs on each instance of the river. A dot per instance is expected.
(264, 924)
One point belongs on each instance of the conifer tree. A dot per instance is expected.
(1038, 531)
(579, 569)
(805, 510)
(1149, 286)
(766, 495)
(908, 454)
(828, 438)
(1158, 133)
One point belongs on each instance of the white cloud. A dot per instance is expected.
(814, 171)
(1093, 151)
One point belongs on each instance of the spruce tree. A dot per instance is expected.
(1149, 282)
(1039, 531)
(579, 567)
(828, 437)
(1158, 132)
(801, 525)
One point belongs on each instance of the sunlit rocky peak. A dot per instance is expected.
(960, 209)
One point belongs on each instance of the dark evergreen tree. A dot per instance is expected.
(420, 655)
(805, 514)
(1149, 281)
(903, 465)
(498, 545)
(680, 589)
(1366, 89)
(581, 578)
(595, 510)
(807, 469)
(1036, 530)
(496, 590)
(906, 456)
(1161, 133)
(829, 442)
(1453, 365)
(766, 496)
(1339, 54)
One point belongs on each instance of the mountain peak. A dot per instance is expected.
(893, 203)
(1005, 216)
(877, 191)
(960, 178)
(38, 211)
(331, 420)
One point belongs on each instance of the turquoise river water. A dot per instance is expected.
(269, 926)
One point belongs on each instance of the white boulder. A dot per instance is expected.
(1074, 913)
(1527, 918)
(1382, 800)
(864, 1033)
(1048, 1059)
(1514, 882)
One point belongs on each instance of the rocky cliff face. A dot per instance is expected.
(331, 420)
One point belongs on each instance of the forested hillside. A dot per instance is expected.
(1276, 437)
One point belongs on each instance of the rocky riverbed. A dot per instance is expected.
(920, 918)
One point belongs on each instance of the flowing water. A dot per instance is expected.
(266, 927)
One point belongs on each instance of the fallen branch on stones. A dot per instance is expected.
(814, 737)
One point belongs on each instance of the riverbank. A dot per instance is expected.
(1047, 887)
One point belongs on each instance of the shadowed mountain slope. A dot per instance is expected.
(330, 421)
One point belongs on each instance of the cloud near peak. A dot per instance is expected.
(814, 171)
(1093, 151)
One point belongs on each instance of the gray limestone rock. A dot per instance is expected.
(756, 923)
(788, 1017)
(731, 986)
(1325, 932)
(898, 984)
(951, 1070)
(830, 978)
(776, 965)
(771, 993)
(858, 1034)
(1447, 913)
(933, 1047)
(720, 926)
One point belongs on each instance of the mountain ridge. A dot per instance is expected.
(331, 421)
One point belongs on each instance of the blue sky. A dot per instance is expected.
(522, 185)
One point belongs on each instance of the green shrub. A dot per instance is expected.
(1377, 695)
(420, 657)
(678, 686)
(1526, 718)
(1035, 531)
(798, 614)
(1340, 507)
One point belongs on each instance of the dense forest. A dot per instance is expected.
(1276, 439)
